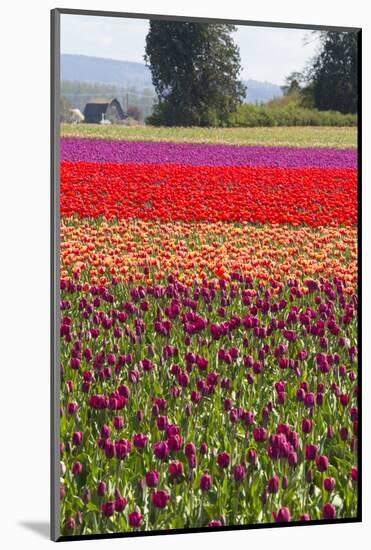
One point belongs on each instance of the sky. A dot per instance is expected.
(267, 54)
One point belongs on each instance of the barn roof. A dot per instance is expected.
(93, 111)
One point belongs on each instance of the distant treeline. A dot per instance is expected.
(292, 109)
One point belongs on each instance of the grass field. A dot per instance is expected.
(299, 136)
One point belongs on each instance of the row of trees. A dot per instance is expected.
(195, 71)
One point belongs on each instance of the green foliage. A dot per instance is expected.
(288, 112)
(334, 73)
(195, 70)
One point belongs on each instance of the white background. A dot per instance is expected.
(24, 285)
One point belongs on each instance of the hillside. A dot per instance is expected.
(107, 71)
(128, 74)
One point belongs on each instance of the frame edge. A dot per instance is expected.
(54, 273)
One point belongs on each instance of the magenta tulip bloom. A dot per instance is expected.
(77, 438)
(118, 422)
(140, 441)
(224, 459)
(329, 511)
(239, 472)
(309, 400)
(190, 449)
(215, 523)
(160, 499)
(152, 478)
(72, 408)
(260, 434)
(292, 458)
(322, 463)
(311, 452)
(102, 488)
(135, 519)
(161, 450)
(122, 448)
(252, 457)
(108, 508)
(344, 399)
(204, 449)
(120, 504)
(105, 431)
(175, 442)
(282, 516)
(329, 483)
(70, 524)
(206, 482)
(307, 425)
(77, 468)
(273, 484)
(176, 470)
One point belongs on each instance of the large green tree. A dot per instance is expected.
(333, 74)
(195, 71)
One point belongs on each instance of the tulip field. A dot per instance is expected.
(208, 334)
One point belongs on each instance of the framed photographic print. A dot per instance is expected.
(205, 274)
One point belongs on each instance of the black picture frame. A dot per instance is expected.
(55, 278)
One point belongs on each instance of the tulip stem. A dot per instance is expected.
(237, 499)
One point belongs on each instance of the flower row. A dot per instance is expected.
(99, 150)
(92, 250)
(311, 196)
